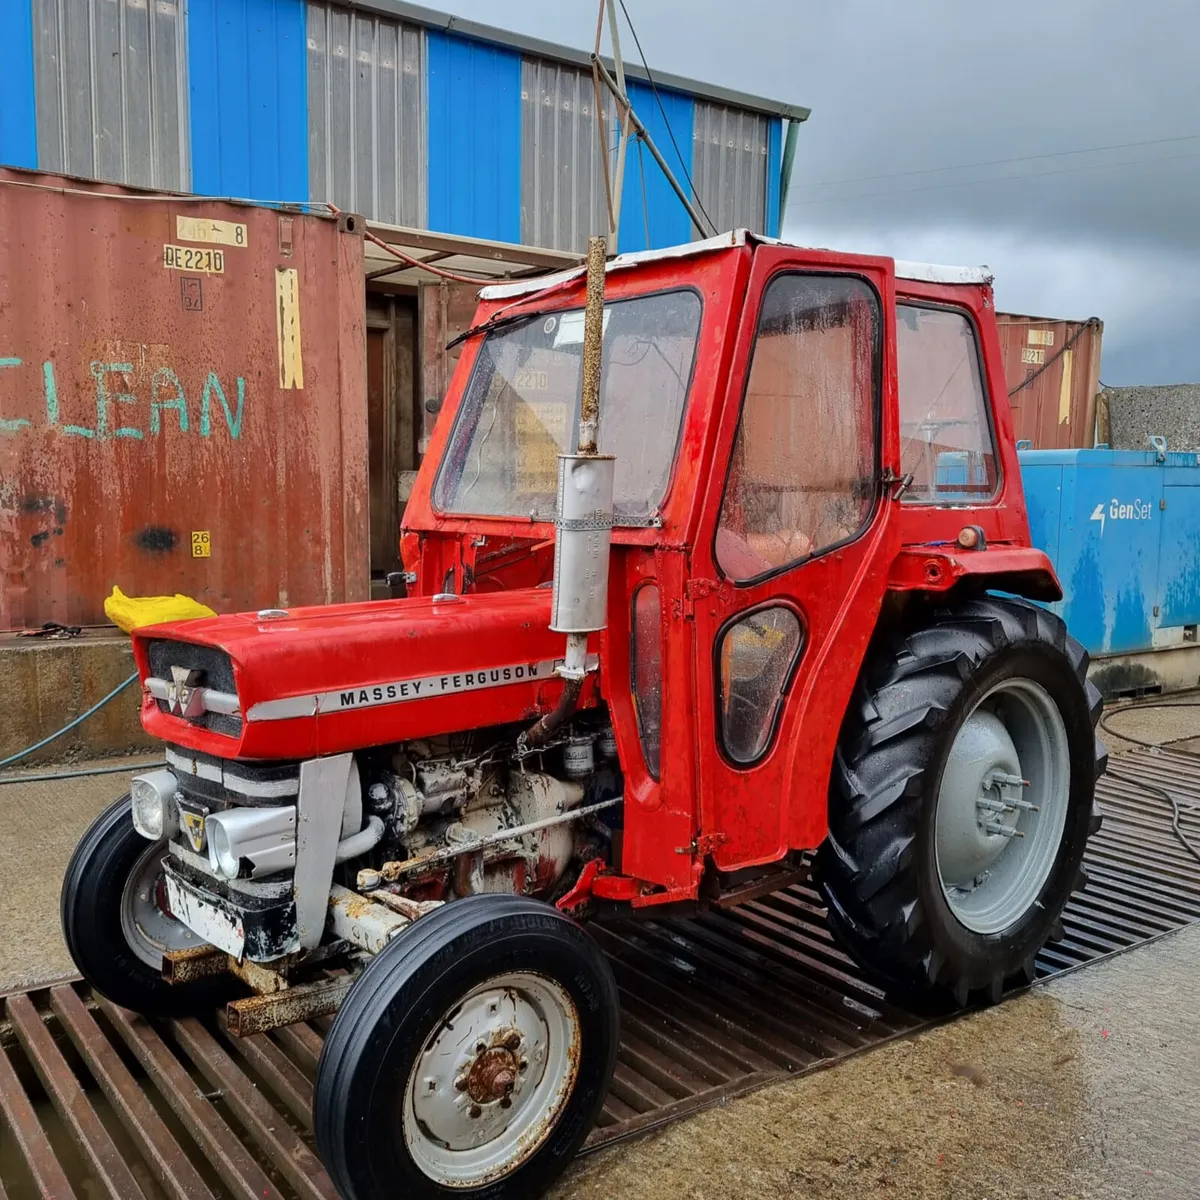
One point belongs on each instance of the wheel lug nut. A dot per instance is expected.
(480, 1047)
(513, 1041)
(476, 1111)
(506, 1103)
(523, 1067)
(460, 1084)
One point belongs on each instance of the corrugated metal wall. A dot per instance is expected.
(562, 172)
(111, 90)
(295, 100)
(18, 119)
(651, 214)
(247, 67)
(366, 114)
(730, 165)
(474, 91)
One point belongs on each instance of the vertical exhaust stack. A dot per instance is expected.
(585, 516)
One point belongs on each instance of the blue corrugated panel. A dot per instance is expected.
(662, 215)
(774, 164)
(248, 88)
(18, 117)
(474, 138)
(1129, 564)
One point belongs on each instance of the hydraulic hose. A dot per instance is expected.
(12, 758)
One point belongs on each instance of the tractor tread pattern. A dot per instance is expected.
(865, 869)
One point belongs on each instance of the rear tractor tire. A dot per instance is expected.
(470, 1058)
(116, 924)
(961, 801)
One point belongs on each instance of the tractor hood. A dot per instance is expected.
(344, 677)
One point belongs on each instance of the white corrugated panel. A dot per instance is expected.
(112, 90)
(562, 171)
(366, 114)
(729, 166)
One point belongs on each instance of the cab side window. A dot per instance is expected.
(802, 477)
(946, 441)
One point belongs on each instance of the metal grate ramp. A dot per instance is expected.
(97, 1102)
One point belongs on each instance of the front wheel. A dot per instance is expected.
(117, 925)
(962, 800)
(470, 1058)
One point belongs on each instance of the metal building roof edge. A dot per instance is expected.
(921, 272)
(418, 14)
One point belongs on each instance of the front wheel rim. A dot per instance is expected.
(149, 929)
(1002, 806)
(492, 1080)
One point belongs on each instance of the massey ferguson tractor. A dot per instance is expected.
(718, 571)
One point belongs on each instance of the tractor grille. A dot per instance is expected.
(217, 673)
(226, 783)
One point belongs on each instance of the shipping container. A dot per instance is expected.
(183, 402)
(1053, 373)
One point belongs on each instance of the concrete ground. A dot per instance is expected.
(40, 823)
(1088, 1088)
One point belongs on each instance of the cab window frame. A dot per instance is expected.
(909, 500)
(878, 346)
(460, 414)
(780, 703)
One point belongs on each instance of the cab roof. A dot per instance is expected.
(920, 272)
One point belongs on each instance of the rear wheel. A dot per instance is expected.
(470, 1058)
(962, 800)
(117, 925)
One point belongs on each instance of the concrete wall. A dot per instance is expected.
(45, 684)
(1134, 413)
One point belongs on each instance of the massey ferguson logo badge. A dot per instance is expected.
(184, 696)
(193, 823)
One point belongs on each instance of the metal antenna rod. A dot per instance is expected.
(627, 108)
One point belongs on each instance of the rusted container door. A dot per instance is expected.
(1053, 373)
(391, 416)
(182, 403)
(446, 310)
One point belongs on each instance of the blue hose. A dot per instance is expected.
(12, 758)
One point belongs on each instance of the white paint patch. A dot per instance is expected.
(287, 328)
(203, 229)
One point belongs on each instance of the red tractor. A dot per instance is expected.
(783, 532)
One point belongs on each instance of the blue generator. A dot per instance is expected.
(1122, 528)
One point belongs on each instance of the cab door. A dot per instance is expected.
(797, 537)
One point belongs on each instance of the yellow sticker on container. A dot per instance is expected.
(201, 544)
(541, 431)
(193, 258)
(203, 229)
(287, 328)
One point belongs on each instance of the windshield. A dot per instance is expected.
(521, 409)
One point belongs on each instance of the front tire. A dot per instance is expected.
(471, 1057)
(116, 926)
(962, 799)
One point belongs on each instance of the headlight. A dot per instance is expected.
(220, 855)
(263, 837)
(154, 813)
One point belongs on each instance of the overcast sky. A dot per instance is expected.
(907, 94)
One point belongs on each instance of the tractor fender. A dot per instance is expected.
(1021, 570)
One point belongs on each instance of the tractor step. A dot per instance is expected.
(716, 1006)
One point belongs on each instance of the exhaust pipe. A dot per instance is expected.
(584, 522)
